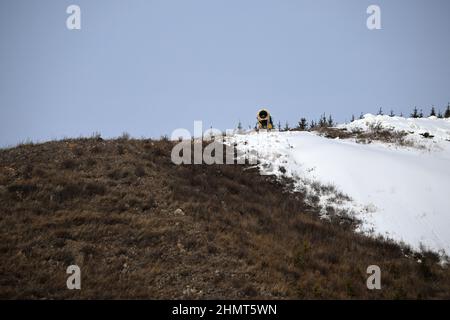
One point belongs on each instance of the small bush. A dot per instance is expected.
(93, 188)
(121, 149)
(69, 164)
(125, 136)
(139, 171)
(67, 192)
(23, 189)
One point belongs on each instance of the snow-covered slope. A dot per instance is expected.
(438, 128)
(402, 193)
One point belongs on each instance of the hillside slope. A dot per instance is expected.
(141, 227)
(397, 192)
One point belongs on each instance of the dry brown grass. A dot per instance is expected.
(375, 133)
(109, 207)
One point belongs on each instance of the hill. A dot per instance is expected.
(141, 227)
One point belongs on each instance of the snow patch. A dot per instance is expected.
(400, 193)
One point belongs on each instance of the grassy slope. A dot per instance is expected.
(109, 206)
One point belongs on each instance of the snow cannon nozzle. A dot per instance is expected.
(264, 119)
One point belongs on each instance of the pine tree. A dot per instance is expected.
(392, 114)
(330, 121)
(323, 121)
(401, 114)
(380, 111)
(361, 116)
(415, 113)
(239, 126)
(312, 125)
(439, 115)
(421, 114)
(447, 112)
(433, 112)
(353, 118)
(279, 125)
(303, 124)
(286, 126)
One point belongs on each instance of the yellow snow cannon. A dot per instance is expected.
(264, 119)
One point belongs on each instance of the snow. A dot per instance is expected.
(439, 128)
(401, 193)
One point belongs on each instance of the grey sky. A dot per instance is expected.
(148, 67)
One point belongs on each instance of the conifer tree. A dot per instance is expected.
(447, 112)
(415, 113)
(432, 112)
(323, 121)
(330, 121)
(303, 124)
(239, 126)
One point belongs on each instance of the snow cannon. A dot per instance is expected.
(264, 119)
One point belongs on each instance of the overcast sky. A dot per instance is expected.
(149, 67)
